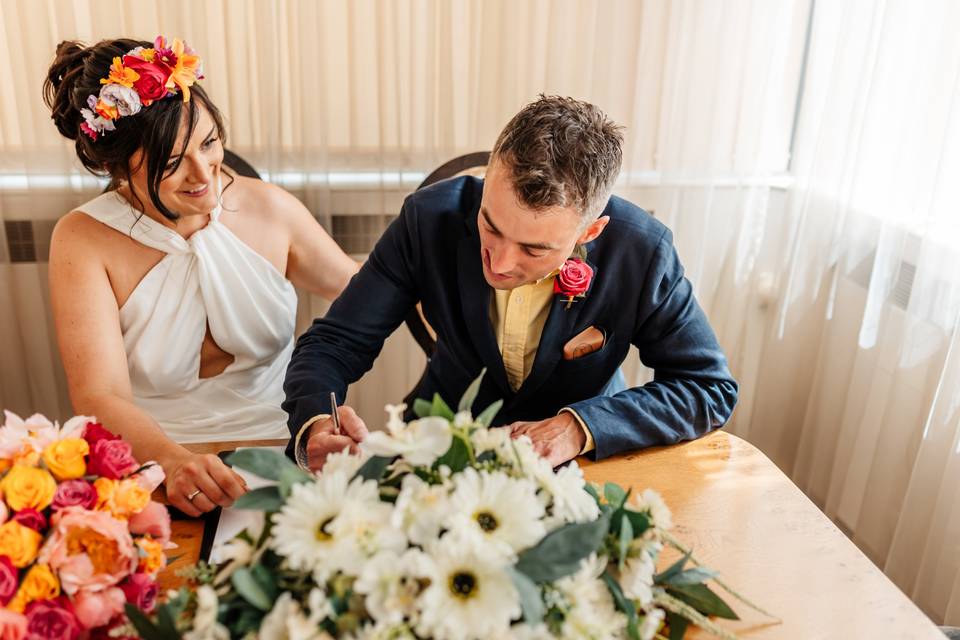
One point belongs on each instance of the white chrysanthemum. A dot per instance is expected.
(524, 632)
(470, 594)
(591, 612)
(362, 530)
(495, 509)
(205, 625)
(287, 621)
(653, 502)
(636, 580)
(419, 442)
(651, 624)
(344, 462)
(571, 503)
(303, 532)
(391, 585)
(383, 631)
(489, 440)
(420, 509)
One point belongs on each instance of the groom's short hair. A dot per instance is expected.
(562, 152)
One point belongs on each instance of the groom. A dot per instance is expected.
(490, 262)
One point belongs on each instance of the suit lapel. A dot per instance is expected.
(556, 332)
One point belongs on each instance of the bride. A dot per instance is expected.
(173, 291)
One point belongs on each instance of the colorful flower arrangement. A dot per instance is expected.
(442, 529)
(138, 79)
(80, 538)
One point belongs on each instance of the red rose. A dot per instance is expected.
(51, 620)
(141, 591)
(74, 493)
(94, 432)
(32, 519)
(111, 459)
(9, 580)
(152, 83)
(574, 278)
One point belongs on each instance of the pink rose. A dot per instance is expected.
(95, 432)
(115, 560)
(97, 608)
(51, 620)
(32, 519)
(574, 278)
(13, 626)
(111, 459)
(74, 493)
(154, 521)
(141, 591)
(152, 83)
(9, 580)
(151, 476)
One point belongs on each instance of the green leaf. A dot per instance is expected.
(440, 408)
(457, 456)
(146, 628)
(262, 499)
(531, 599)
(668, 573)
(590, 488)
(487, 456)
(639, 521)
(698, 575)
(466, 402)
(422, 408)
(678, 625)
(166, 624)
(290, 476)
(265, 463)
(701, 598)
(374, 468)
(626, 537)
(487, 415)
(250, 589)
(614, 494)
(624, 604)
(560, 552)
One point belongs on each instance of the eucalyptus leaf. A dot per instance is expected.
(374, 468)
(143, 625)
(624, 604)
(265, 463)
(250, 589)
(290, 476)
(531, 598)
(701, 598)
(664, 576)
(559, 554)
(615, 495)
(640, 522)
(470, 395)
(487, 415)
(697, 575)
(422, 408)
(626, 537)
(262, 499)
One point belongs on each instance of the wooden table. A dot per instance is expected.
(747, 520)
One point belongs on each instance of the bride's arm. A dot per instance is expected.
(91, 346)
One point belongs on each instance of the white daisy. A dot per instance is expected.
(495, 509)
(571, 502)
(420, 442)
(384, 631)
(361, 530)
(489, 440)
(205, 625)
(286, 621)
(651, 624)
(391, 585)
(302, 531)
(653, 502)
(591, 612)
(469, 596)
(637, 578)
(420, 509)
(344, 462)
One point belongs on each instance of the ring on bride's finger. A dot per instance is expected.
(193, 495)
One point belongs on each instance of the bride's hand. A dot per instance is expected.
(196, 483)
(322, 441)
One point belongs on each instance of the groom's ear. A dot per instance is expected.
(593, 231)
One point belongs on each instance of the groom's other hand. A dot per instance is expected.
(322, 441)
(557, 439)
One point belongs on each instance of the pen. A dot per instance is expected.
(336, 413)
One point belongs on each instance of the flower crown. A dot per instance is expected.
(139, 79)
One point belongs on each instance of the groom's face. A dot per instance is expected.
(519, 245)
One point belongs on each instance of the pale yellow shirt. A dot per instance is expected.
(518, 317)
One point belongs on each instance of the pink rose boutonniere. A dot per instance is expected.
(573, 280)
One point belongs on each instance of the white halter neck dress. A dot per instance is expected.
(213, 278)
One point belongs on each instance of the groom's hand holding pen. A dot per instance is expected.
(326, 436)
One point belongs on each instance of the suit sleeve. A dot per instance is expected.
(340, 347)
(693, 391)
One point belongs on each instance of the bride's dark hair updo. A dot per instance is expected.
(75, 75)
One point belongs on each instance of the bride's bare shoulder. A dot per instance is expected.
(253, 198)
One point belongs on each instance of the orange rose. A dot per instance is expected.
(39, 584)
(128, 498)
(25, 487)
(105, 489)
(151, 555)
(19, 543)
(65, 458)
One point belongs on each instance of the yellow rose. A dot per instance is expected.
(21, 544)
(65, 458)
(105, 489)
(128, 498)
(39, 584)
(28, 487)
(151, 555)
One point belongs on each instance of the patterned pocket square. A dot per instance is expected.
(585, 342)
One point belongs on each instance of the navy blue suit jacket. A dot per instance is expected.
(638, 295)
